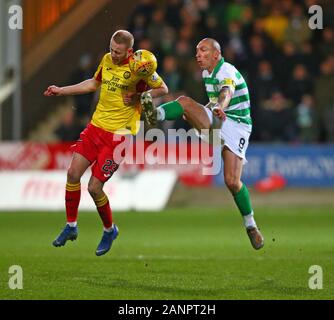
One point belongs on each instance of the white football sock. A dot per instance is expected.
(161, 114)
(72, 224)
(249, 220)
(108, 229)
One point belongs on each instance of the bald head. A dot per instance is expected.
(208, 53)
(211, 43)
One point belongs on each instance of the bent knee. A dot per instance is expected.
(94, 190)
(184, 101)
(73, 175)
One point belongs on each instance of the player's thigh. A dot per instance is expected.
(105, 165)
(195, 113)
(236, 137)
(77, 168)
(84, 154)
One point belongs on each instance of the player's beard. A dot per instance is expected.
(115, 61)
(118, 61)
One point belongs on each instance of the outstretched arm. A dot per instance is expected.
(83, 87)
(134, 97)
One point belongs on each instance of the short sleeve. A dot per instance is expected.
(154, 81)
(228, 82)
(98, 72)
(227, 78)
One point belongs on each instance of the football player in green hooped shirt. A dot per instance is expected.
(228, 112)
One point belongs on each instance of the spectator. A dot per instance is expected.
(171, 74)
(285, 63)
(167, 41)
(256, 54)
(183, 53)
(194, 11)
(157, 24)
(324, 100)
(265, 82)
(247, 22)
(193, 83)
(308, 58)
(144, 8)
(234, 11)
(328, 11)
(187, 33)
(138, 26)
(326, 46)
(271, 43)
(287, 7)
(305, 120)
(276, 23)
(146, 44)
(258, 29)
(298, 30)
(212, 29)
(173, 13)
(69, 129)
(277, 119)
(235, 41)
(299, 85)
(83, 103)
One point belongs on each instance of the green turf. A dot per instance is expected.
(175, 254)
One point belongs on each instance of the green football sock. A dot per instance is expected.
(243, 202)
(173, 110)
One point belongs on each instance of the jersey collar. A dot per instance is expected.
(126, 61)
(217, 67)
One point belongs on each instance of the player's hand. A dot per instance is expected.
(52, 91)
(130, 98)
(218, 112)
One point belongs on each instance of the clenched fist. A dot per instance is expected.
(52, 91)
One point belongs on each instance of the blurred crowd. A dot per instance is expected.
(288, 66)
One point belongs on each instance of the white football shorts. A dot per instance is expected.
(229, 133)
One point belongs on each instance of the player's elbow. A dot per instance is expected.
(93, 85)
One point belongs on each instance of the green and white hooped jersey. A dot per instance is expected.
(225, 74)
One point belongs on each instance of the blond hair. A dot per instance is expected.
(123, 37)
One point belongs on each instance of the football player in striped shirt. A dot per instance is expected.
(228, 111)
(117, 115)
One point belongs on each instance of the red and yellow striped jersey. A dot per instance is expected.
(111, 113)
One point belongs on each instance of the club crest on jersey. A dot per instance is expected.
(127, 75)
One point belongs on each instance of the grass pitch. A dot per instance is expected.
(175, 254)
